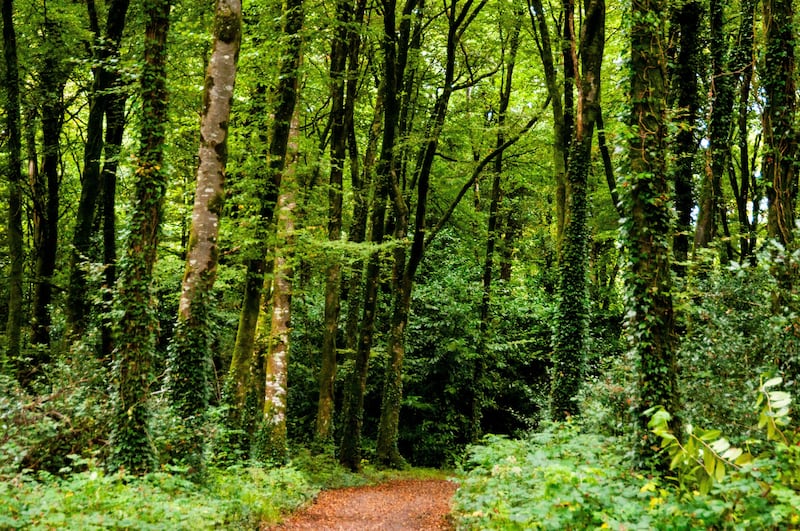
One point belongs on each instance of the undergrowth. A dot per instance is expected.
(563, 478)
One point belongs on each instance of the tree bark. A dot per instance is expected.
(12, 355)
(106, 52)
(780, 138)
(572, 314)
(131, 443)
(240, 379)
(686, 20)
(271, 444)
(647, 228)
(190, 356)
(53, 80)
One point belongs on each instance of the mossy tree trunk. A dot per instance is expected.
(14, 177)
(572, 314)
(648, 225)
(343, 72)
(271, 443)
(244, 375)
(190, 357)
(780, 137)
(355, 387)
(131, 442)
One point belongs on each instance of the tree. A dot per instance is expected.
(778, 119)
(275, 326)
(14, 173)
(190, 356)
(131, 443)
(53, 75)
(102, 103)
(245, 369)
(647, 225)
(569, 353)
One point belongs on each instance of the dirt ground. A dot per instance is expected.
(400, 505)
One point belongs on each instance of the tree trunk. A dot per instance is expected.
(131, 443)
(106, 53)
(560, 126)
(572, 314)
(687, 20)
(53, 79)
(271, 444)
(12, 356)
(340, 126)
(780, 138)
(353, 407)
(647, 229)
(115, 130)
(190, 357)
(240, 379)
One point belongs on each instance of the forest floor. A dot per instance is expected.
(397, 505)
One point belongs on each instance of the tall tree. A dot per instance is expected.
(572, 314)
(493, 230)
(106, 53)
(780, 138)
(53, 76)
(275, 326)
(687, 63)
(241, 379)
(131, 443)
(343, 74)
(14, 176)
(190, 355)
(647, 225)
(355, 387)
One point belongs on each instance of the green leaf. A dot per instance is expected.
(772, 382)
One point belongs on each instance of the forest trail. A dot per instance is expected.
(398, 505)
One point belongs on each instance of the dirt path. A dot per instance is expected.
(400, 505)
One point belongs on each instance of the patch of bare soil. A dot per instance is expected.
(400, 505)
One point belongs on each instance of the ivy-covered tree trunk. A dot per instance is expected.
(647, 227)
(106, 54)
(53, 78)
(241, 378)
(190, 357)
(271, 443)
(131, 442)
(572, 314)
(686, 23)
(14, 178)
(780, 136)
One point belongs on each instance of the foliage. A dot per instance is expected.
(564, 478)
(235, 498)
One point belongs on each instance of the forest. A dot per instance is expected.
(255, 250)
